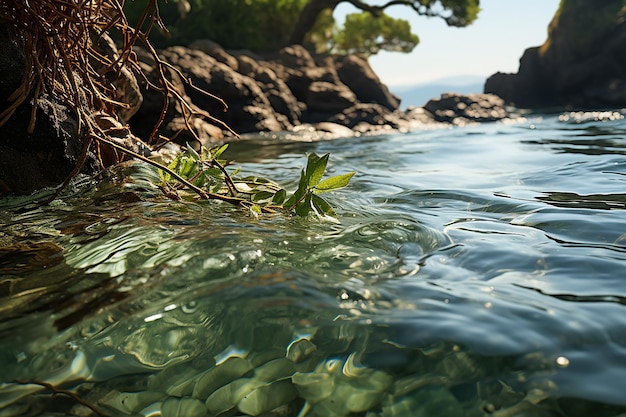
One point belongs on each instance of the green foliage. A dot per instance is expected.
(267, 25)
(258, 25)
(367, 34)
(320, 38)
(206, 173)
(462, 12)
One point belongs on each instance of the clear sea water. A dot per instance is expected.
(471, 271)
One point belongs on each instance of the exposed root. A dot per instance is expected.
(62, 59)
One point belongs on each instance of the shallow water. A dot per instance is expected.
(472, 271)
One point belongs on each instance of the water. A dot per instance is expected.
(472, 271)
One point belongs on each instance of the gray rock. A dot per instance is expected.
(43, 158)
(325, 97)
(581, 65)
(463, 109)
(355, 72)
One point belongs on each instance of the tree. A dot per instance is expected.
(366, 34)
(458, 13)
(259, 25)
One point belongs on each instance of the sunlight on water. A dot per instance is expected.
(472, 272)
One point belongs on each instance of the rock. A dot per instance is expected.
(143, 122)
(296, 56)
(355, 72)
(121, 135)
(11, 66)
(293, 88)
(280, 96)
(43, 158)
(214, 50)
(335, 129)
(206, 134)
(372, 114)
(249, 109)
(278, 92)
(328, 98)
(581, 65)
(463, 109)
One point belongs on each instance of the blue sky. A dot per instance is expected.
(494, 42)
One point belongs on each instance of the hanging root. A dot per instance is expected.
(60, 39)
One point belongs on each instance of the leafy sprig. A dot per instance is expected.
(204, 173)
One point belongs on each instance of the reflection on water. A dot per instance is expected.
(473, 272)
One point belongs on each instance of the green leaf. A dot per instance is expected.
(262, 195)
(219, 151)
(321, 206)
(215, 173)
(300, 192)
(175, 163)
(192, 152)
(304, 207)
(334, 183)
(279, 197)
(186, 168)
(200, 180)
(315, 168)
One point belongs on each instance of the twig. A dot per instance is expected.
(61, 391)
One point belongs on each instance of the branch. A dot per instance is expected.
(70, 394)
(420, 8)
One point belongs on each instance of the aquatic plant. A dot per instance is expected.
(205, 174)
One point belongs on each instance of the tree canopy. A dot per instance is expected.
(457, 13)
(268, 25)
(366, 34)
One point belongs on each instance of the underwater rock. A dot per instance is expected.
(347, 387)
(183, 407)
(267, 397)
(220, 375)
(130, 403)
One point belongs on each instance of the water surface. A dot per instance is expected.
(471, 271)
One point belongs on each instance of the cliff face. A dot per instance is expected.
(581, 65)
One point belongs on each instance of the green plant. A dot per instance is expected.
(205, 174)
(366, 34)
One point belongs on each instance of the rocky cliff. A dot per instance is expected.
(582, 64)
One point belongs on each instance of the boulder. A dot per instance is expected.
(355, 72)
(249, 108)
(278, 93)
(214, 50)
(275, 92)
(46, 155)
(371, 114)
(464, 109)
(43, 158)
(581, 65)
(328, 98)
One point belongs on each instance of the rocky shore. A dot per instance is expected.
(293, 90)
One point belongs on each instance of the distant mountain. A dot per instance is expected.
(419, 94)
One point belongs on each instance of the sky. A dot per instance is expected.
(494, 42)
